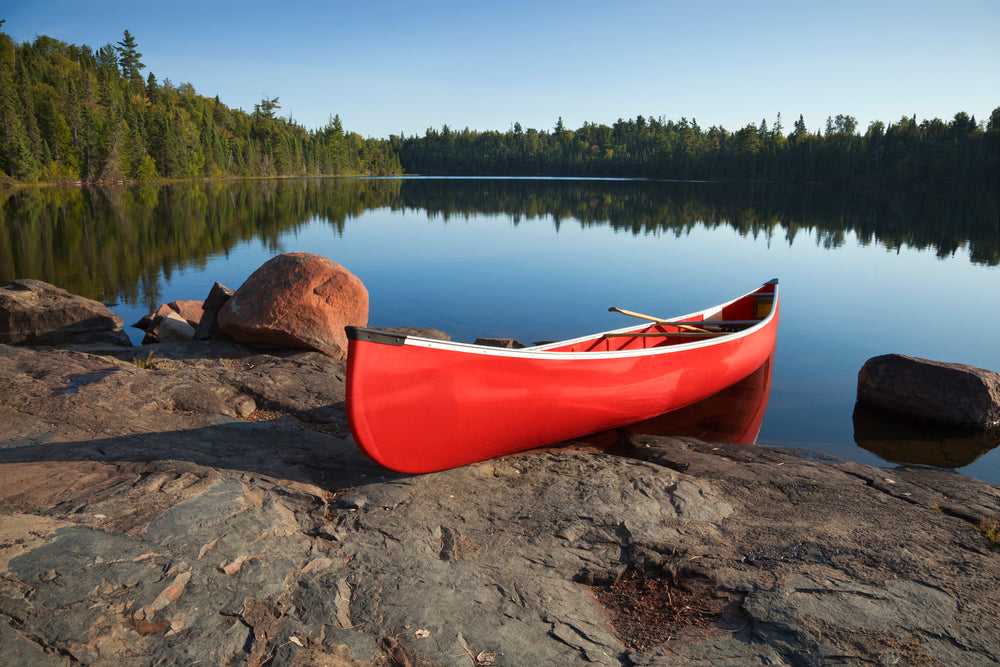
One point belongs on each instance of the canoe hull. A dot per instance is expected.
(419, 405)
(734, 415)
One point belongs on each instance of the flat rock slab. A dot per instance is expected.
(139, 532)
(33, 312)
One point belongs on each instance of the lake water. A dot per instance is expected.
(862, 272)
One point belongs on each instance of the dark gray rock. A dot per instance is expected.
(33, 312)
(931, 390)
(140, 527)
(420, 332)
(145, 322)
(208, 326)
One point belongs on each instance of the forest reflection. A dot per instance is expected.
(115, 243)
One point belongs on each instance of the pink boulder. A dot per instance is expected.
(190, 311)
(297, 300)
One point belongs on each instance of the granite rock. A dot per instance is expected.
(932, 391)
(208, 325)
(33, 312)
(150, 513)
(297, 300)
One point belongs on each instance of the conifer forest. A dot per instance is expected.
(70, 113)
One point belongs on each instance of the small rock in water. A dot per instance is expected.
(933, 391)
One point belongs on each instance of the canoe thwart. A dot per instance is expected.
(668, 334)
(710, 323)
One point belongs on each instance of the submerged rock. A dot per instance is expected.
(932, 391)
(297, 300)
(33, 312)
(901, 439)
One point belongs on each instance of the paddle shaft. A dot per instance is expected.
(650, 318)
(690, 326)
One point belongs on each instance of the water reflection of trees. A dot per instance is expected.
(944, 221)
(113, 243)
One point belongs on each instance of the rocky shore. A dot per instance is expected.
(203, 502)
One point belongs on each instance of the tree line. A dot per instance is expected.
(69, 113)
(959, 151)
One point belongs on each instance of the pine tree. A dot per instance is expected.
(152, 88)
(128, 59)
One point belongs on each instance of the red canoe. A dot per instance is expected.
(419, 405)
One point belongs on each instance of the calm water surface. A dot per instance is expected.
(862, 273)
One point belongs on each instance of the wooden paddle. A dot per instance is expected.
(686, 327)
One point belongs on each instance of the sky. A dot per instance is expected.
(401, 67)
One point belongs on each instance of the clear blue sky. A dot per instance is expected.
(400, 67)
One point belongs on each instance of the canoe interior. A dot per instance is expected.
(729, 318)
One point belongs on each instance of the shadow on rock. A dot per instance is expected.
(294, 454)
(211, 404)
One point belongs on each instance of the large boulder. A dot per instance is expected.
(931, 390)
(33, 312)
(297, 300)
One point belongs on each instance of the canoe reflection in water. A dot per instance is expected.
(734, 415)
(901, 440)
